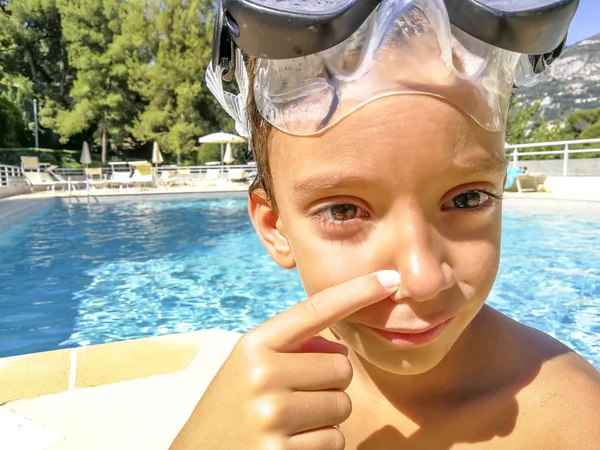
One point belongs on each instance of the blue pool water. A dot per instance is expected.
(80, 276)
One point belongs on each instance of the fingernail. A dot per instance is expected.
(389, 278)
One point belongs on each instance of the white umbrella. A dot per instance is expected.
(222, 138)
(86, 158)
(228, 158)
(157, 157)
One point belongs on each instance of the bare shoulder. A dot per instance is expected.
(560, 405)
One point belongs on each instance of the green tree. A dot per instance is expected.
(178, 36)
(591, 132)
(32, 48)
(100, 98)
(520, 122)
(581, 120)
(12, 126)
(527, 125)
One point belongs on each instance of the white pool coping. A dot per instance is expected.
(145, 413)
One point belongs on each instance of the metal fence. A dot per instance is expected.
(191, 172)
(14, 175)
(10, 175)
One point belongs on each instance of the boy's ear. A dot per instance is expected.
(270, 230)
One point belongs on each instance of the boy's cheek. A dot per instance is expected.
(322, 265)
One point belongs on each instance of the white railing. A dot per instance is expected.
(13, 174)
(193, 171)
(8, 174)
(564, 152)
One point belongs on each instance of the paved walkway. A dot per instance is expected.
(146, 413)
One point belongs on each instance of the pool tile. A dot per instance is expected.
(28, 376)
(128, 360)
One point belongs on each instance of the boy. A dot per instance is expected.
(390, 208)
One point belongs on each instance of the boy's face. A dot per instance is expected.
(405, 183)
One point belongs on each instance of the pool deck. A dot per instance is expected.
(125, 395)
(81, 195)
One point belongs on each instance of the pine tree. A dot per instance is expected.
(100, 98)
(179, 106)
(33, 56)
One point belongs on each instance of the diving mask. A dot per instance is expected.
(321, 60)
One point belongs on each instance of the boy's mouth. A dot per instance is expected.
(412, 337)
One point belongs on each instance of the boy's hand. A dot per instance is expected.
(282, 387)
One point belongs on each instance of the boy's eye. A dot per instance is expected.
(472, 199)
(341, 212)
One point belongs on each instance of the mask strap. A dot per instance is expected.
(235, 105)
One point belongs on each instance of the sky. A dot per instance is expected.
(586, 22)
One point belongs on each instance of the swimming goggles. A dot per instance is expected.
(320, 60)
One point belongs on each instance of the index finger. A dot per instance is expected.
(288, 330)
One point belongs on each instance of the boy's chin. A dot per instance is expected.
(396, 359)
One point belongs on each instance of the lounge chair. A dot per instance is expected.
(119, 179)
(519, 181)
(51, 172)
(37, 176)
(167, 178)
(237, 175)
(184, 176)
(43, 179)
(94, 177)
(212, 176)
(30, 163)
(143, 173)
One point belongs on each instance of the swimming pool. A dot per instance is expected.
(78, 276)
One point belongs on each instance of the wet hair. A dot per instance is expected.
(262, 132)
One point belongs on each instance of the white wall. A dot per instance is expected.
(574, 187)
(554, 167)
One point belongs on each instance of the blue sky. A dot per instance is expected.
(586, 22)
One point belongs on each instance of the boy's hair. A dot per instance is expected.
(261, 132)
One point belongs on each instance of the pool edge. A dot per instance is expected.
(33, 375)
(13, 212)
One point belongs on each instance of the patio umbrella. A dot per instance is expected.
(228, 158)
(222, 138)
(157, 157)
(86, 158)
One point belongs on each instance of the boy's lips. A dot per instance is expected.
(410, 337)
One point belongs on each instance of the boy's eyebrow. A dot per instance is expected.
(329, 180)
(492, 164)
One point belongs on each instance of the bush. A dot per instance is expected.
(68, 162)
(61, 158)
(47, 158)
(208, 152)
(12, 126)
(99, 164)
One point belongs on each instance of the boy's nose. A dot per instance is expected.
(418, 256)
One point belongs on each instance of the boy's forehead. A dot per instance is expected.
(403, 133)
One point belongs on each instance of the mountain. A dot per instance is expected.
(571, 82)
